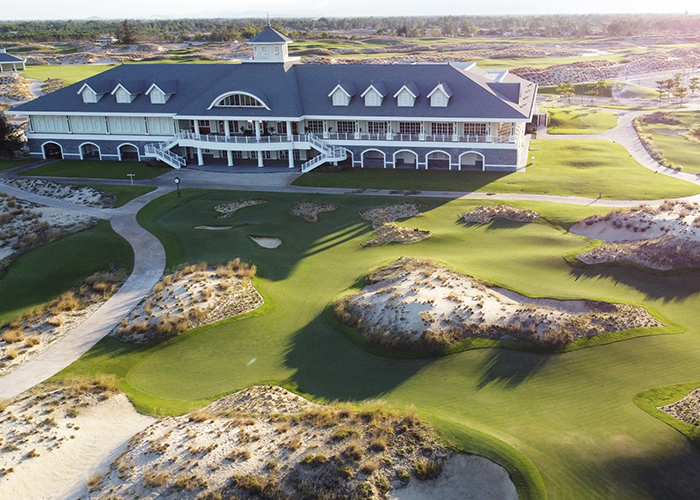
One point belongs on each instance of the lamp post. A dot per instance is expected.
(177, 183)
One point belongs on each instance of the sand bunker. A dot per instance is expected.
(686, 409)
(228, 209)
(267, 439)
(191, 297)
(266, 242)
(464, 477)
(25, 225)
(309, 211)
(383, 221)
(26, 337)
(80, 195)
(60, 435)
(659, 238)
(213, 228)
(416, 304)
(485, 214)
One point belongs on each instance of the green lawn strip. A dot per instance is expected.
(676, 148)
(580, 121)
(651, 399)
(568, 168)
(41, 274)
(8, 164)
(521, 470)
(570, 414)
(629, 91)
(93, 169)
(124, 192)
(70, 73)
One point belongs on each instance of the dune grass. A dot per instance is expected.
(93, 169)
(567, 168)
(124, 193)
(677, 149)
(40, 275)
(571, 415)
(580, 121)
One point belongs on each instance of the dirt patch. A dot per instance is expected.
(26, 337)
(661, 117)
(686, 409)
(15, 87)
(659, 238)
(80, 195)
(25, 225)
(309, 211)
(266, 241)
(419, 305)
(265, 442)
(192, 296)
(228, 209)
(57, 435)
(383, 221)
(485, 214)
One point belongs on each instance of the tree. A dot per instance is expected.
(693, 84)
(125, 33)
(599, 87)
(566, 89)
(680, 93)
(11, 138)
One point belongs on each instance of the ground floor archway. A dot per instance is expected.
(471, 161)
(128, 152)
(438, 159)
(90, 151)
(52, 151)
(373, 158)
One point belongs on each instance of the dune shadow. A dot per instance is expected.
(508, 368)
(666, 287)
(331, 367)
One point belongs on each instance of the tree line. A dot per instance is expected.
(326, 27)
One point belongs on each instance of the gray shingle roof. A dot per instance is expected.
(5, 57)
(295, 90)
(269, 35)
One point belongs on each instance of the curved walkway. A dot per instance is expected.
(149, 264)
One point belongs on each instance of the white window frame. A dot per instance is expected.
(122, 96)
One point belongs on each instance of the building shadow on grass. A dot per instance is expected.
(509, 368)
(668, 288)
(329, 366)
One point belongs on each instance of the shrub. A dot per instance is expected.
(13, 335)
(426, 469)
(11, 353)
(378, 444)
(403, 476)
(369, 467)
(154, 479)
(33, 340)
(314, 460)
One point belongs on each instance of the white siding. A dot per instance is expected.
(89, 96)
(438, 100)
(340, 98)
(405, 99)
(373, 99)
(57, 124)
(131, 125)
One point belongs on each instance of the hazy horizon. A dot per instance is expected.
(162, 9)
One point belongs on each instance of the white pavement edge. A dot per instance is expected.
(149, 264)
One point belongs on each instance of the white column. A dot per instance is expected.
(196, 127)
(291, 155)
(260, 159)
(227, 129)
(257, 130)
(289, 130)
(229, 157)
(200, 158)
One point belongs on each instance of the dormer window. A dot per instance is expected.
(374, 94)
(89, 95)
(440, 95)
(405, 100)
(160, 92)
(342, 93)
(406, 95)
(371, 99)
(157, 97)
(340, 99)
(123, 96)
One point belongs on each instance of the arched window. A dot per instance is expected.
(240, 101)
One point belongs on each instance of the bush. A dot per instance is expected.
(426, 469)
(13, 335)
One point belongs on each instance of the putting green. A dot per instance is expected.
(571, 414)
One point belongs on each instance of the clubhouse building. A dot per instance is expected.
(273, 110)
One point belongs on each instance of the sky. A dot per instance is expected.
(122, 9)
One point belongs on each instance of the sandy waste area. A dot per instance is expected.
(56, 438)
(387, 230)
(309, 211)
(485, 214)
(417, 304)
(228, 209)
(269, 242)
(267, 439)
(190, 297)
(687, 409)
(659, 238)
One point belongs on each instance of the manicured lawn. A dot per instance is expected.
(580, 121)
(97, 170)
(676, 148)
(8, 164)
(619, 90)
(124, 193)
(569, 168)
(70, 73)
(572, 415)
(45, 272)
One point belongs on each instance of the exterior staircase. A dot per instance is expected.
(161, 151)
(327, 152)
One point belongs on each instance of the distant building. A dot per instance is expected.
(275, 110)
(106, 40)
(8, 62)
